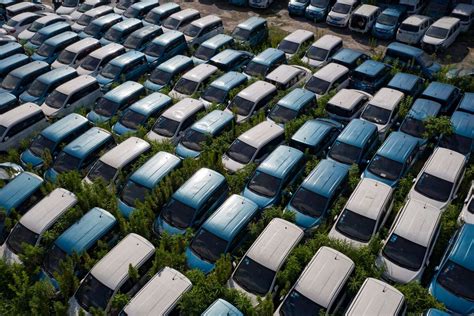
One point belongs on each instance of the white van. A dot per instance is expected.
(465, 13)
(295, 41)
(347, 104)
(376, 297)
(331, 77)
(253, 146)
(38, 24)
(172, 124)
(413, 6)
(19, 124)
(118, 159)
(160, 295)
(363, 18)
(192, 81)
(256, 273)
(321, 285)
(251, 99)
(179, 20)
(74, 54)
(202, 29)
(286, 77)
(439, 180)
(413, 28)
(410, 242)
(82, 91)
(382, 110)
(110, 275)
(20, 22)
(92, 64)
(364, 214)
(341, 12)
(88, 16)
(441, 34)
(320, 53)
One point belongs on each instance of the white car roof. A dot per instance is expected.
(349, 2)
(206, 20)
(387, 98)
(446, 22)
(369, 198)
(346, 98)
(82, 44)
(298, 36)
(283, 73)
(445, 164)
(327, 41)
(183, 109)
(200, 72)
(125, 152)
(18, 113)
(463, 9)
(415, 19)
(366, 10)
(331, 72)
(75, 84)
(257, 91)
(261, 134)
(106, 50)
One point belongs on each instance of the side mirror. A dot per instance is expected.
(436, 268)
(335, 217)
(414, 180)
(234, 264)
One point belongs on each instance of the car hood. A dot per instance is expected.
(260, 200)
(125, 209)
(234, 285)
(49, 111)
(184, 152)
(451, 301)
(334, 234)
(119, 129)
(230, 164)
(27, 157)
(432, 40)
(26, 97)
(194, 262)
(417, 196)
(25, 35)
(96, 118)
(395, 272)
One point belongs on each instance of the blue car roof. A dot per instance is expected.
(357, 133)
(87, 142)
(371, 67)
(296, 99)
(229, 219)
(268, 56)
(13, 59)
(438, 90)
(29, 68)
(61, 38)
(398, 147)
(199, 187)
(108, 18)
(126, 24)
(403, 81)
(463, 249)
(151, 103)
(423, 108)
(175, 63)
(84, 233)
(155, 169)
(56, 75)
(347, 55)
(467, 102)
(168, 37)
(64, 127)
(9, 47)
(251, 23)
(313, 131)
(217, 41)
(222, 307)
(58, 26)
(229, 80)
(124, 91)
(18, 190)
(405, 49)
(213, 122)
(393, 11)
(146, 30)
(326, 177)
(6, 98)
(281, 161)
(126, 58)
(463, 124)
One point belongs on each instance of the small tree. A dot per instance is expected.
(435, 126)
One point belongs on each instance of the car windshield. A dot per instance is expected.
(37, 88)
(66, 57)
(457, 279)
(241, 106)
(376, 114)
(456, 142)
(131, 12)
(208, 246)
(40, 143)
(413, 127)
(386, 168)
(154, 50)
(53, 259)
(241, 34)
(297, 304)
(161, 77)
(309, 203)
(70, 3)
(355, 226)
(93, 29)
(84, 20)
(241, 151)
(171, 23)
(288, 47)
(85, 7)
(45, 50)
(19, 236)
(344, 153)
(433, 187)
(90, 63)
(10, 82)
(12, 23)
(437, 32)
(101, 170)
(38, 39)
(254, 277)
(133, 41)
(152, 17)
(320, 3)
(132, 119)
(425, 60)
(387, 19)
(462, 17)
(404, 252)
(317, 53)
(105, 107)
(193, 139)
(317, 85)
(165, 126)
(192, 30)
(186, 86)
(92, 293)
(178, 214)
(66, 162)
(204, 53)
(56, 99)
(341, 8)
(214, 95)
(113, 35)
(409, 27)
(255, 69)
(111, 71)
(133, 192)
(123, 4)
(282, 114)
(35, 26)
(264, 184)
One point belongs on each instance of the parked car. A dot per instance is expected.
(264, 63)
(408, 84)
(363, 19)
(45, 33)
(297, 102)
(98, 27)
(347, 104)
(212, 47)
(317, 10)
(50, 49)
(22, 7)
(297, 7)
(167, 73)
(88, 16)
(20, 22)
(202, 29)
(95, 61)
(251, 32)
(445, 94)
(158, 14)
(441, 34)
(461, 139)
(413, 28)
(119, 32)
(74, 54)
(465, 13)
(413, 6)
(387, 22)
(140, 9)
(219, 90)
(467, 103)
(341, 12)
(296, 41)
(8, 101)
(321, 51)
(286, 77)
(141, 38)
(231, 60)
(123, 5)
(349, 58)
(179, 20)
(164, 47)
(370, 76)
(332, 77)
(9, 63)
(220, 305)
(37, 25)
(193, 81)
(18, 80)
(82, 8)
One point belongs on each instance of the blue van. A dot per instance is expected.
(43, 85)
(47, 32)
(222, 307)
(292, 105)
(314, 197)
(165, 46)
(411, 58)
(297, 7)
(129, 66)
(140, 9)
(388, 21)
(12, 62)
(11, 48)
(116, 100)
(79, 238)
(315, 136)
(7, 102)
(218, 91)
(394, 159)
(52, 137)
(251, 32)
(211, 125)
(452, 282)
(407, 83)
(231, 60)
(140, 112)
(265, 62)
(98, 27)
(18, 194)
(350, 58)
(355, 144)
(221, 233)
(19, 79)
(413, 123)
(445, 94)
(370, 76)
(117, 33)
(50, 49)
(467, 103)
(145, 179)
(273, 175)
(140, 39)
(160, 13)
(317, 10)
(81, 153)
(192, 203)
(462, 138)
(167, 73)
(212, 47)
